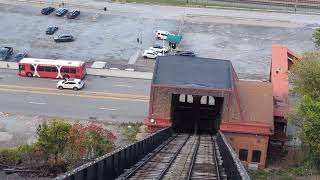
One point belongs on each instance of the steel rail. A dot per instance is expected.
(193, 158)
(172, 159)
(215, 157)
(132, 172)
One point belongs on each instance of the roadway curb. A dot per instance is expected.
(95, 72)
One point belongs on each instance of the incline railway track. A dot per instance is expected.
(183, 156)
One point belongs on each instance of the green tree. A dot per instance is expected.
(316, 37)
(52, 137)
(306, 75)
(306, 79)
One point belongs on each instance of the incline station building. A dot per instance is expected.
(202, 95)
(205, 95)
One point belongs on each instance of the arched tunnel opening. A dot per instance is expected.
(196, 114)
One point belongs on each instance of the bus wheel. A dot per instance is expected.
(75, 88)
(65, 76)
(29, 74)
(60, 87)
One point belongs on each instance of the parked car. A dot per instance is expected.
(73, 14)
(151, 54)
(5, 52)
(159, 48)
(51, 30)
(64, 38)
(185, 53)
(74, 84)
(20, 56)
(61, 12)
(162, 34)
(47, 10)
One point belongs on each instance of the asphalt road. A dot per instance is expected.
(244, 37)
(103, 99)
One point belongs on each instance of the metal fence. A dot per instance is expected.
(233, 166)
(310, 6)
(112, 165)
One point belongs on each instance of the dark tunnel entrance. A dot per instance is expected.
(196, 114)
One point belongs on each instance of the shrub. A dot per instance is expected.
(10, 156)
(52, 137)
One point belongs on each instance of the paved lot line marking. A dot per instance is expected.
(120, 85)
(114, 97)
(39, 103)
(109, 109)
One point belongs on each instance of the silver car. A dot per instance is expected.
(74, 84)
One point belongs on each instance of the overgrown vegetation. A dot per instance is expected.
(316, 37)
(131, 130)
(61, 144)
(306, 115)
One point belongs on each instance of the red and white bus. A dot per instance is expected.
(48, 68)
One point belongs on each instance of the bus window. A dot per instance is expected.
(72, 70)
(31, 68)
(40, 68)
(47, 69)
(54, 69)
(65, 70)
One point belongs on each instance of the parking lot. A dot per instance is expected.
(109, 36)
(97, 36)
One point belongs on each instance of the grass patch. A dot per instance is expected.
(130, 130)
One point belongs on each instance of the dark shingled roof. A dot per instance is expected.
(193, 72)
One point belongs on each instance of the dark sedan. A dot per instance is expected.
(61, 12)
(185, 53)
(73, 14)
(51, 30)
(64, 38)
(5, 52)
(20, 56)
(47, 10)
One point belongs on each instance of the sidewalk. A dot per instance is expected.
(95, 72)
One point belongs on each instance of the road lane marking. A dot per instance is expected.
(75, 95)
(38, 103)
(120, 85)
(77, 92)
(109, 109)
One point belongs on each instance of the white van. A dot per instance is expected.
(162, 34)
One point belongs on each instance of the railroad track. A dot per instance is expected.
(183, 156)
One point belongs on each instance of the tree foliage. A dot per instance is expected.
(306, 75)
(306, 79)
(52, 137)
(316, 37)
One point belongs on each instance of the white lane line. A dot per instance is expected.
(38, 103)
(109, 109)
(120, 85)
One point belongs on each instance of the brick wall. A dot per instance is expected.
(250, 142)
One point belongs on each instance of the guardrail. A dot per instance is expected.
(233, 166)
(111, 165)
